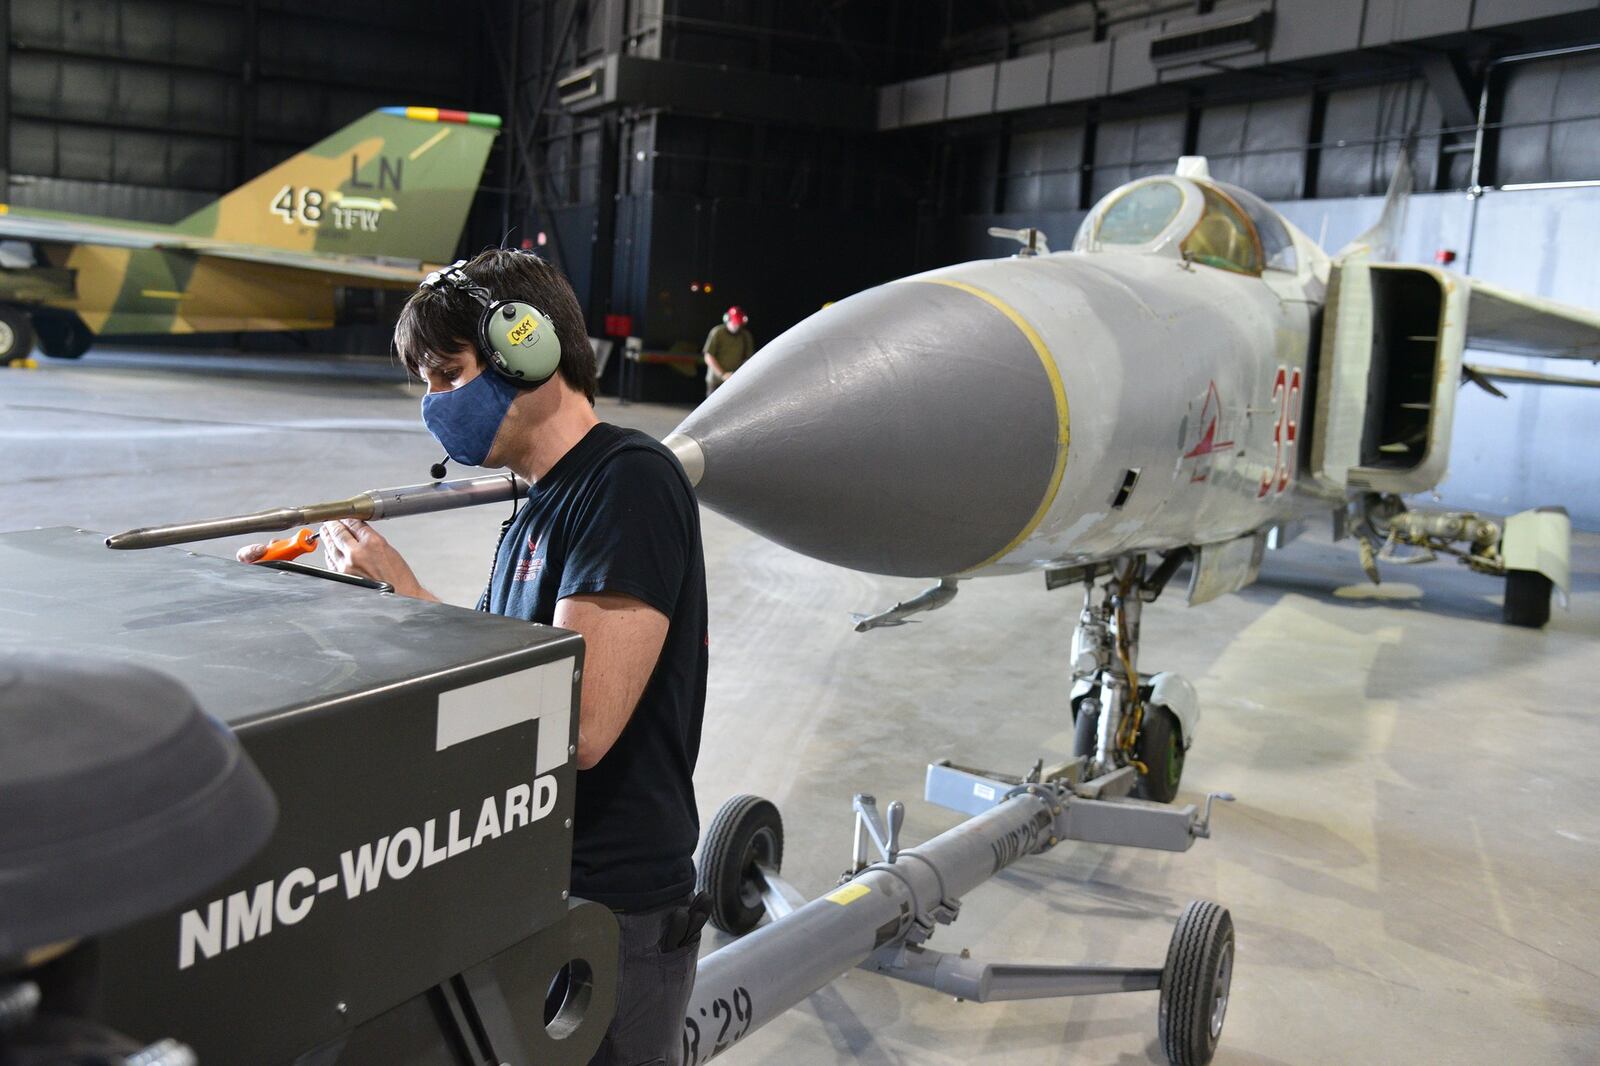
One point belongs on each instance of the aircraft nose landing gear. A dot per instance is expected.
(1120, 718)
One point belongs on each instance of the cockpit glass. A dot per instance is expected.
(1223, 238)
(1139, 215)
(1276, 245)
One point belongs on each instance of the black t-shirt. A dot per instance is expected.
(616, 514)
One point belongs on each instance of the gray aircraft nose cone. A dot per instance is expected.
(909, 430)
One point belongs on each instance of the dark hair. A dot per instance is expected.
(437, 322)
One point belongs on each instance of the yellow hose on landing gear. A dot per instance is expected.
(1129, 727)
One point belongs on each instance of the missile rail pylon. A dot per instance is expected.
(883, 911)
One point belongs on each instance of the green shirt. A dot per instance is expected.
(730, 350)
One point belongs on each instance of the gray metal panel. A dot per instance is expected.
(1081, 72)
(1134, 147)
(1128, 823)
(1044, 172)
(924, 100)
(1500, 12)
(1130, 61)
(1362, 131)
(1023, 82)
(1304, 28)
(889, 101)
(287, 640)
(971, 91)
(1390, 21)
(1380, 23)
(1547, 138)
(1239, 141)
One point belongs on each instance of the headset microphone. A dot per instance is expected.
(437, 470)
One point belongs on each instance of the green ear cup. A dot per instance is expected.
(522, 341)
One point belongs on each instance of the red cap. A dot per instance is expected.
(735, 317)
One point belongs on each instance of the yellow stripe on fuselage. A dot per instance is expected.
(1059, 394)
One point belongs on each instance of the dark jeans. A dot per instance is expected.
(653, 988)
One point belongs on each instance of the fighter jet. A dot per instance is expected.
(1189, 384)
(362, 209)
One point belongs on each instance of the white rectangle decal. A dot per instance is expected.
(542, 694)
(983, 791)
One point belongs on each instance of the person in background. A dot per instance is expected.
(727, 347)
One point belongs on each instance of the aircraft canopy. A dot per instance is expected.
(1208, 222)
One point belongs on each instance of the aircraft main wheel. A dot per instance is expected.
(1527, 598)
(62, 336)
(746, 833)
(16, 335)
(1195, 984)
(1160, 747)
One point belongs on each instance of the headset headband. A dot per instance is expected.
(516, 339)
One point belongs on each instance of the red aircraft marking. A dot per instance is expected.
(1208, 442)
(1285, 433)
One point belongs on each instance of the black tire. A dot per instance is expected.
(747, 831)
(1527, 598)
(1159, 746)
(1195, 983)
(62, 336)
(16, 334)
(1085, 727)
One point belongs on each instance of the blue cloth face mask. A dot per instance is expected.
(464, 421)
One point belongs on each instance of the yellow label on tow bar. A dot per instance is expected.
(847, 894)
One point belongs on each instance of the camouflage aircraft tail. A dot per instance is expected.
(396, 183)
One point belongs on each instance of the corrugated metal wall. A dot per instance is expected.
(148, 108)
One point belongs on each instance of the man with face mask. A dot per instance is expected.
(608, 544)
(727, 347)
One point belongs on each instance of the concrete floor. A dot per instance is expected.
(1411, 864)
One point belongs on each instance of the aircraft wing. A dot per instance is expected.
(1528, 377)
(347, 269)
(1503, 320)
(73, 231)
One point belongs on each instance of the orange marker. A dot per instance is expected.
(290, 548)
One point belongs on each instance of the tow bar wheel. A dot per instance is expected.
(747, 833)
(1195, 982)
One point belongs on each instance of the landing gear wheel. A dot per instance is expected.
(62, 336)
(16, 335)
(1195, 983)
(1160, 747)
(747, 832)
(1527, 598)
(1085, 725)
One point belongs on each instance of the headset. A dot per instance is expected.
(517, 339)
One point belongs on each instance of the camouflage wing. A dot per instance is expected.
(58, 227)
